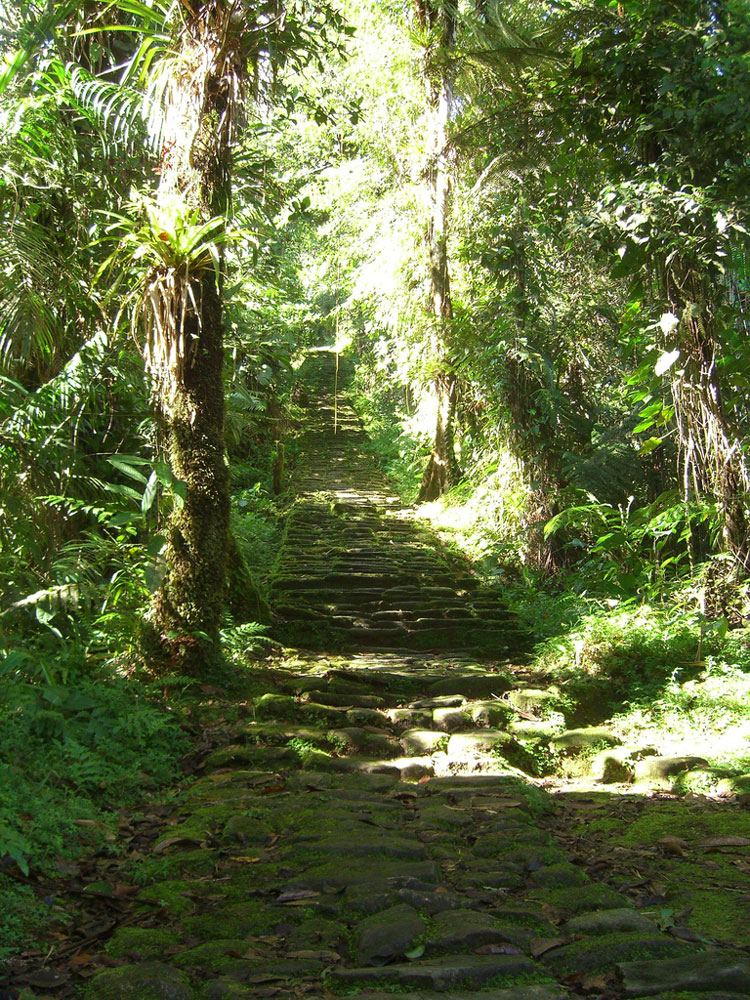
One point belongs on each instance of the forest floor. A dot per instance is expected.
(371, 817)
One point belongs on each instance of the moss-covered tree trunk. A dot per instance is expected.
(186, 344)
(439, 24)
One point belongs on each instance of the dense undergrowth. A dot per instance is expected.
(71, 755)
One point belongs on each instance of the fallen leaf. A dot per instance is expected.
(293, 897)
(596, 982)
(724, 840)
(211, 689)
(540, 946)
(328, 956)
(247, 861)
(272, 790)
(127, 890)
(44, 978)
(673, 846)
(415, 952)
(67, 867)
(81, 959)
(424, 780)
(498, 949)
(684, 934)
(90, 970)
(495, 802)
(168, 842)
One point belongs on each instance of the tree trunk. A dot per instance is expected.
(711, 452)
(187, 608)
(185, 350)
(442, 470)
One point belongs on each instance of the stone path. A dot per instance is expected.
(370, 826)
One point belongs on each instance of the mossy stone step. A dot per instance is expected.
(440, 974)
(713, 970)
(511, 993)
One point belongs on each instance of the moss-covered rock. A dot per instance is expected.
(737, 785)
(146, 981)
(199, 862)
(561, 874)
(170, 894)
(574, 741)
(580, 899)
(236, 920)
(217, 956)
(318, 932)
(142, 943)
(387, 935)
(275, 706)
(605, 950)
(246, 830)
(534, 700)
(494, 714)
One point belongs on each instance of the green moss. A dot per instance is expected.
(216, 955)
(245, 830)
(237, 787)
(276, 706)
(581, 899)
(142, 942)
(318, 932)
(716, 913)
(198, 862)
(606, 824)
(527, 855)
(20, 912)
(230, 990)
(171, 894)
(562, 874)
(603, 951)
(682, 995)
(231, 756)
(238, 920)
(504, 981)
(522, 916)
(278, 734)
(146, 981)
(677, 820)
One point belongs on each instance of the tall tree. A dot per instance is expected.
(203, 83)
(185, 336)
(438, 23)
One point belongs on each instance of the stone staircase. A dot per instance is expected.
(356, 569)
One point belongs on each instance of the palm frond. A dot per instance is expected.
(119, 111)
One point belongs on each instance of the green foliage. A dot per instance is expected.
(96, 740)
(630, 655)
(631, 553)
(21, 913)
